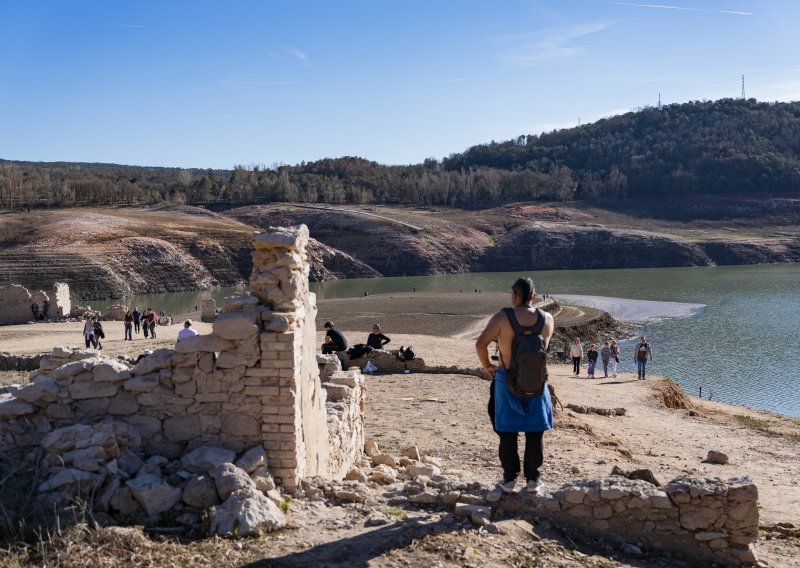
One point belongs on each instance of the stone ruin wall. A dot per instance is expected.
(16, 300)
(704, 519)
(254, 381)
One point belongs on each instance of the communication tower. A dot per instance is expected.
(743, 97)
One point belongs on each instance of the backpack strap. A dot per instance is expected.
(536, 328)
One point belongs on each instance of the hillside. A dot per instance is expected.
(681, 161)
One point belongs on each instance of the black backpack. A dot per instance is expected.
(527, 373)
(408, 354)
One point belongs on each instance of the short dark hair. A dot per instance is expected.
(328, 324)
(524, 288)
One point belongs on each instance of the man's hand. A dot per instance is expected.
(490, 370)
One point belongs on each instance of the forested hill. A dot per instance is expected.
(727, 147)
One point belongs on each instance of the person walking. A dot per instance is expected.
(98, 332)
(605, 357)
(137, 316)
(128, 326)
(537, 416)
(152, 320)
(614, 357)
(576, 352)
(376, 339)
(46, 308)
(641, 355)
(88, 333)
(591, 356)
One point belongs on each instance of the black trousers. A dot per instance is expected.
(136, 326)
(576, 364)
(509, 453)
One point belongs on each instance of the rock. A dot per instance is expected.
(351, 493)
(412, 452)
(576, 470)
(102, 501)
(157, 360)
(644, 475)
(122, 500)
(356, 474)
(182, 428)
(235, 326)
(473, 512)
(153, 493)
(385, 459)
(631, 549)
(516, 528)
(109, 370)
(130, 463)
(253, 459)
(203, 344)
(263, 479)
(716, 457)
(419, 469)
(206, 458)
(376, 520)
(230, 478)
(383, 474)
(42, 390)
(201, 493)
(428, 496)
(371, 447)
(69, 477)
(11, 407)
(246, 514)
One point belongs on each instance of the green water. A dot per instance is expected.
(742, 348)
(178, 304)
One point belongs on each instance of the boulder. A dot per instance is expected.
(11, 406)
(43, 390)
(206, 458)
(263, 480)
(716, 457)
(235, 326)
(230, 479)
(252, 459)
(201, 493)
(153, 493)
(246, 514)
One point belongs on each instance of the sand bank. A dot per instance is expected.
(627, 310)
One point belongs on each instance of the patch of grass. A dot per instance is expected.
(396, 512)
(287, 503)
(763, 426)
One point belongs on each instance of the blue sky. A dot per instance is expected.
(214, 84)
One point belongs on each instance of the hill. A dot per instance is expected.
(689, 159)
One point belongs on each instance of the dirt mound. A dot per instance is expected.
(671, 395)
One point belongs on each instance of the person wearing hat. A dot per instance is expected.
(334, 340)
(187, 330)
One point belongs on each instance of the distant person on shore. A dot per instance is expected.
(187, 330)
(88, 333)
(128, 326)
(98, 332)
(642, 354)
(576, 352)
(614, 357)
(45, 309)
(137, 316)
(531, 415)
(35, 311)
(591, 356)
(376, 339)
(605, 357)
(334, 340)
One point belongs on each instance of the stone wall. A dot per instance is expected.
(254, 381)
(11, 362)
(698, 518)
(16, 300)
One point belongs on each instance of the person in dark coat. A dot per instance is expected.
(334, 340)
(376, 339)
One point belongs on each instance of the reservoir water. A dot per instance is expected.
(743, 347)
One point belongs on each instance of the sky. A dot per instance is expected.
(215, 84)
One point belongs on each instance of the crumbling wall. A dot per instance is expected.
(16, 300)
(254, 381)
(208, 310)
(699, 518)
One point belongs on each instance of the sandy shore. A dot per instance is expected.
(445, 415)
(624, 309)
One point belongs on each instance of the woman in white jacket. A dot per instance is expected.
(576, 351)
(88, 334)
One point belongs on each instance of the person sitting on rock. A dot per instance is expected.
(376, 339)
(334, 340)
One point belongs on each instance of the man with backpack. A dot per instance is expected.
(519, 400)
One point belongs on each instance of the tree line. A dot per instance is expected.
(697, 148)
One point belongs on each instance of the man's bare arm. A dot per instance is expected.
(489, 335)
(547, 330)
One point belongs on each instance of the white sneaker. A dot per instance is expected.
(535, 486)
(500, 489)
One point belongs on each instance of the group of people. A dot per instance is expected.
(335, 341)
(144, 322)
(609, 356)
(40, 315)
(93, 333)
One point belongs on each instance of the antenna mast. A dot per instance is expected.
(743, 97)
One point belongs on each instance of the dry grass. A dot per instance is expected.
(672, 396)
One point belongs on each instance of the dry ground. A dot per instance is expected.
(445, 415)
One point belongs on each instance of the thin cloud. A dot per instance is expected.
(548, 45)
(665, 7)
(126, 26)
(299, 55)
(444, 81)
